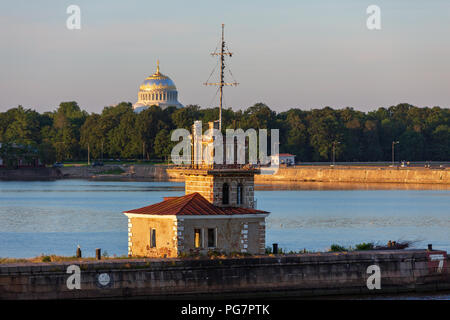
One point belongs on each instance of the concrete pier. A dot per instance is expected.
(286, 276)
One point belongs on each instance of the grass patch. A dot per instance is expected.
(56, 258)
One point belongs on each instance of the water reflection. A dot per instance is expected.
(54, 216)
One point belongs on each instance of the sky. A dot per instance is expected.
(287, 54)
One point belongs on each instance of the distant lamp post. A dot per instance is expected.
(393, 151)
(334, 151)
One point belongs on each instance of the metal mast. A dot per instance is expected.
(223, 52)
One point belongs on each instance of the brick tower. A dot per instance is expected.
(224, 185)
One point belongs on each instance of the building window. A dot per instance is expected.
(212, 238)
(240, 193)
(198, 238)
(152, 238)
(225, 193)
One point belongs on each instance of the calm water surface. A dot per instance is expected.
(53, 217)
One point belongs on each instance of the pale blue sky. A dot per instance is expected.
(290, 53)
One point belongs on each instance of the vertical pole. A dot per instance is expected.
(334, 146)
(221, 78)
(88, 155)
(98, 254)
(102, 151)
(393, 153)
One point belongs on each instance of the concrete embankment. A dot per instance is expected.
(266, 276)
(30, 174)
(289, 174)
(151, 172)
(357, 175)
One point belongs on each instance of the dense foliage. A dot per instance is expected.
(118, 132)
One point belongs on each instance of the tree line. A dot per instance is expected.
(117, 132)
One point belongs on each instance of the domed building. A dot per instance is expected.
(157, 90)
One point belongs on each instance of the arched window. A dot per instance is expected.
(225, 194)
(240, 193)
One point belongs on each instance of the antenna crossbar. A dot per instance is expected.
(221, 83)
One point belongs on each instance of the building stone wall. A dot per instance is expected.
(211, 187)
(139, 237)
(233, 234)
(203, 184)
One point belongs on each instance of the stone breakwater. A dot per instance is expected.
(157, 172)
(349, 175)
(30, 174)
(289, 174)
(287, 276)
(358, 175)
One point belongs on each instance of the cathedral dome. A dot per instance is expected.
(159, 90)
(157, 81)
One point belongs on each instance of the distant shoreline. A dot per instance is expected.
(303, 177)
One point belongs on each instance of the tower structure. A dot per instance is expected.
(224, 185)
(218, 211)
(221, 54)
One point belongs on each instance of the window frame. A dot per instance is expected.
(152, 238)
(240, 194)
(227, 187)
(215, 238)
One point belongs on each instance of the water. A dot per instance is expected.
(53, 217)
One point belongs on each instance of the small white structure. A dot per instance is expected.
(283, 158)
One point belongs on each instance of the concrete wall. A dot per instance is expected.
(30, 174)
(294, 174)
(130, 172)
(277, 276)
(360, 175)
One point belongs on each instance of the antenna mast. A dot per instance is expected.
(223, 52)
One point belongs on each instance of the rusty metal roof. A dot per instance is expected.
(191, 204)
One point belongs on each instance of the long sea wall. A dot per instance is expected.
(265, 276)
(30, 174)
(357, 175)
(398, 175)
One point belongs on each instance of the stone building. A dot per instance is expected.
(218, 212)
